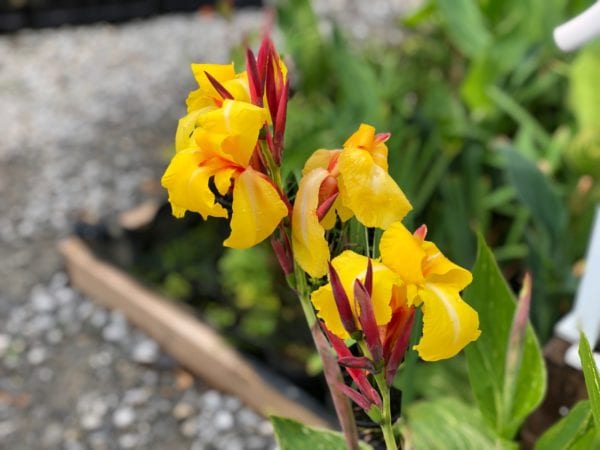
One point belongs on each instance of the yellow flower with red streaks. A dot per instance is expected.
(207, 98)
(411, 272)
(343, 183)
(434, 283)
(216, 164)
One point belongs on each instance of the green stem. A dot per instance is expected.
(386, 413)
(331, 369)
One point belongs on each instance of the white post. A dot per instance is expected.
(585, 315)
(579, 30)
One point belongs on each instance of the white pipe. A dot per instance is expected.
(585, 315)
(579, 30)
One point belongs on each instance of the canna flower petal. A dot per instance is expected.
(365, 138)
(321, 159)
(242, 122)
(207, 95)
(449, 323)
(185, 129)
(441, 271)
(403, 253)
(369, 191)
(351, 266)
(257, 210)
(310, 247)
(187, 183)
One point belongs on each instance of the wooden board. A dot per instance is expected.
(185, 338)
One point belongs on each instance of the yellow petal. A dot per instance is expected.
(257, 210)
(310, 248)
(220, 72)
(238, 87)
(242, 121)
(206, 94)
(440, 270)
(369, 191)
(449, 323)
(185, 129)
(321, 158)
(337, 210)
(403, 253)
(324, 303)
(187, 184)
(223, 179)
(364, 138)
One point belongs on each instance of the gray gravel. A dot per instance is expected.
(69, 380)
(87, 116)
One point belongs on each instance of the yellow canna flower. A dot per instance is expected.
(351, 266)
(434, 283)
(216, 164)
(206, 98)
(343, 183)
(207, 95)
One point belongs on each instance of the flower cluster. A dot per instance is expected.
(229, 149)
(228, 146)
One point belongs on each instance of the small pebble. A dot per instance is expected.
(123, 417)
(36, 355)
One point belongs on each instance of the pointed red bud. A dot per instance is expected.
(421, 232)
(357, 398)
(357, 362)
(382, 137)
(368, 322)
(281, 247)
(369, 278)
(396, 342)
(255, 82)
(324, 207)
(341, 301)
(357, 375)
(279, 123)
(218, 86)
(263, 56)
(271, 88)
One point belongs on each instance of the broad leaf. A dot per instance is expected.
(504, 405)
(536, 192)
(592, 377)
(566, 432)
(292, 435)
(449, 424)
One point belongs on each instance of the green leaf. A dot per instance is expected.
(536, 192)
(465, 25)
(449, 424)
(492, 298)
(591, 375)
(292, 435)
(564, 433)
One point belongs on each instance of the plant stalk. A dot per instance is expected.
(331, 369)
(386, 413)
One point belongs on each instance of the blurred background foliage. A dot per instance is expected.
(493, 130)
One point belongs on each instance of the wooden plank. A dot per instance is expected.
(189, 341)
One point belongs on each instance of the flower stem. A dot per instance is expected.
(386, 413)
(331, 369)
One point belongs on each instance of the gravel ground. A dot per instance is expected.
(87, 116)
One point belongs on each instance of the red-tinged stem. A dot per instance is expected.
(331, 369)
